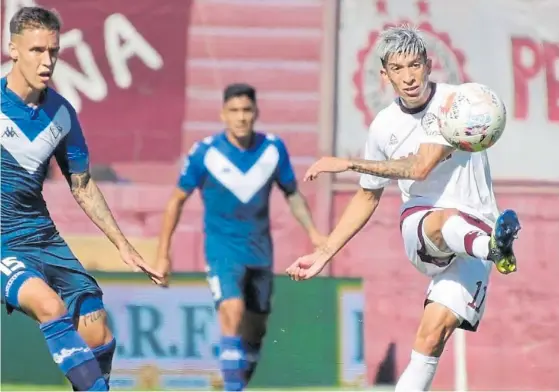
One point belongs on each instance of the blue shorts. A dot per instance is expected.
(232, 280)
(57, 266)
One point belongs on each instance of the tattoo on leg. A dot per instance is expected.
(92, 317)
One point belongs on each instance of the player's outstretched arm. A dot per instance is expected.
(91, 200)
(414, 167)
(357, 213)
(300, 210)
(171, 216)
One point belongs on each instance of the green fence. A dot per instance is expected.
(167, 338)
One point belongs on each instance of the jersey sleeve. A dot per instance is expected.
(192, 171)
(285, 175)
(72, 154)
(373, 153)
(430, 124)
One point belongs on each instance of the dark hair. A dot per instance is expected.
(239, 90)
(33, 18)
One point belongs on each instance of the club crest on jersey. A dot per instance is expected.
(372, 93)
(55, 129)
(431, 124)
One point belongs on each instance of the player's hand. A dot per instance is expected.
(327, 165)
(308, 266)
(163, 266)
(132, 258)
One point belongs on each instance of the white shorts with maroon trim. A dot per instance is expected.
(459, 282)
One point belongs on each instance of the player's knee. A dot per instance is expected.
(430, 343)
(436, 219)
(434, 222)
(449, 212)
(36, 298)
(436, 327)
(231, 313)
(49, 309)
(254, 327)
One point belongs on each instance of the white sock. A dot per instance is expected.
(462, 237)
(419, 374)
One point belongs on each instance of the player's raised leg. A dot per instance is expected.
(456, 295)
(463, 234)
(226, 285)
(26, 290)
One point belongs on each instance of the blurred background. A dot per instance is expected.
(146, 78)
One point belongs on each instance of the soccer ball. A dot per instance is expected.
(472, 118)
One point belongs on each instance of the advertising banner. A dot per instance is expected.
(510, 45)
(167, 339)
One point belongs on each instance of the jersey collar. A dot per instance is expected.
(253, 143)
(16, 98)
(421, 108)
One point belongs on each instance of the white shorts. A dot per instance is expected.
(458, 282)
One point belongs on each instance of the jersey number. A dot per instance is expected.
(9, 265)
(476, 295)
(215, 287)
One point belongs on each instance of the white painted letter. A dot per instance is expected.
(118, 28)
(68, 80)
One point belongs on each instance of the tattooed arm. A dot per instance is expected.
(91, 200)
(72, 156)
(413, 167)
(300, 210)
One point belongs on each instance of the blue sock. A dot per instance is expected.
(252, 351)
(104, 355)
(233, 363)
(72, 355)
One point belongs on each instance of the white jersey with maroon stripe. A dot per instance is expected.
(462, 181)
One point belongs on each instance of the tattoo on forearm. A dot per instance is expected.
(79, 181)
(91, 200)
(395, 168)
(300, 210)
(92, 317)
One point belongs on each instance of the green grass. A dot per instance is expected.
(38, 388)
(24, 387)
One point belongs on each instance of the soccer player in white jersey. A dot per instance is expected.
(451, 227)
(40, 276)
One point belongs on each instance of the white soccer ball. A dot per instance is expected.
(472, 118)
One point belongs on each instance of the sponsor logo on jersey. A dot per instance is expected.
(9, 132)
